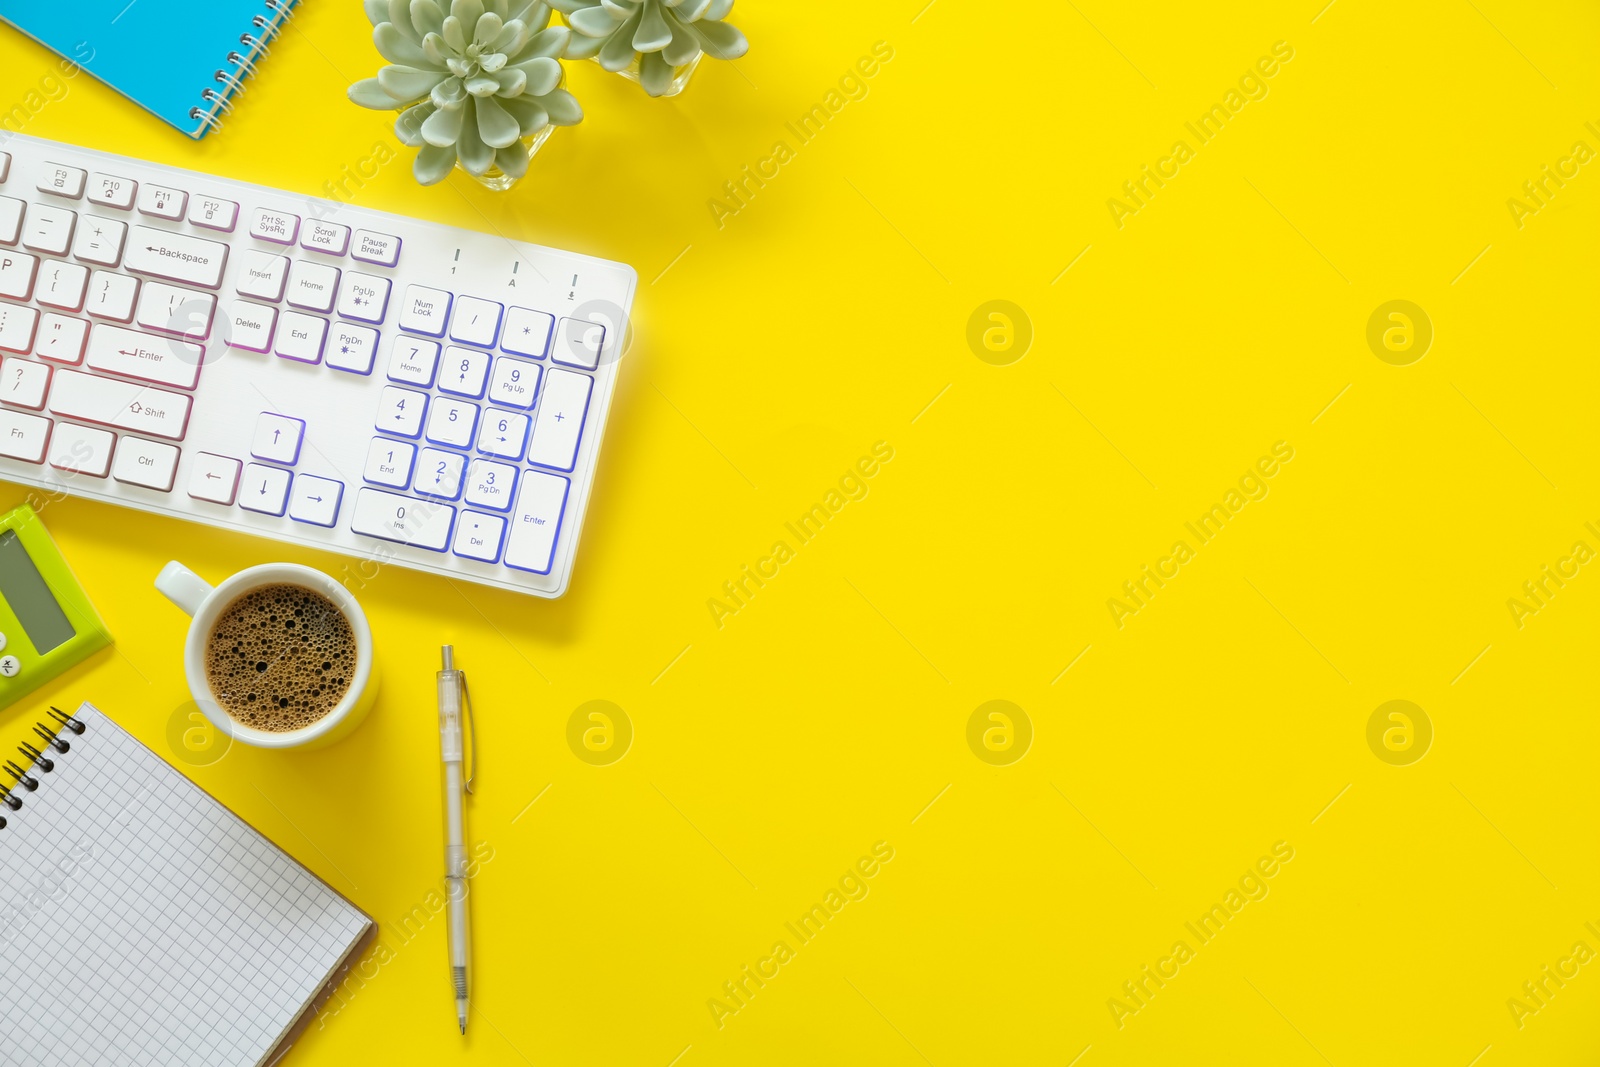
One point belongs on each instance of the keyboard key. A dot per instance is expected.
(23, 437)
(264, 489)
(424, 310)
(439, 473)
(249, 326)
(515, 383)
(479, 536)
(174, 256)
(61, 339)
(527, 332)
(162, 203)
(560, 420)
(503, 433)
(489, 484)
(422, 523)
(300, 337)
(213, 213)
(48, 229)
(412, 360)
(111, 296)
(16, 327)
(535, 522)
(452, 422)
(81, 449)
(262, 274)
(63, 180)
(61, 285)
(175, 310)
(16, 274)
(278, 438)
(23, 382)
(400, 411)
(127, 405)
(214, 478)
(389, 463)
(312, 286)
(148, 463)
(329, 237)
(463, 372)
(377, 248)
(99, 241)
(476, 322)
(578, 343)
(315, 500)
(11, 212)
(162, 360)
(279, 227)
(364, 297)
(353, 348)
(112, 191)
(5, 165)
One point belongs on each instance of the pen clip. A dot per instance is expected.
(472, 729)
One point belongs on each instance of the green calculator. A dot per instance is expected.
(47, 624)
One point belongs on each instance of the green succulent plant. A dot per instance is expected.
(660, 34)
(470, 79)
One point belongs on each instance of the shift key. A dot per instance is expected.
(163, 254)
(127, 405)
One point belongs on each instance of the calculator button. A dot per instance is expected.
(23, 436)
(81, 450)
(315, 500)
(377, 248)
(389, 463)
(392, 517)
(527, 332)
(478, 536)
(352, 348)
(423, 310)
(10, 666)
(476, 322)
(413, 360)
(452, 422)
(112, 191)
(578, 343)
(400, 411)
(265, 489)
(63, 181)
(278, 438)
(147, 463)
(161, 203)
(560, 422)
(535, 522)
(211, 213)
(279, 227)
(439, 473)
(463, 371)
(214, 478)
(2, 642)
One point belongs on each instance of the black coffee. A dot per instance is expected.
(280, 657)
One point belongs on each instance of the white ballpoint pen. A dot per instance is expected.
(452, 687)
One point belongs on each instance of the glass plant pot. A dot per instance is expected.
(497, 179)
(680, 75)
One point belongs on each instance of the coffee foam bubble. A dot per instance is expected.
(280, 657)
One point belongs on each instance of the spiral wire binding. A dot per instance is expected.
(267, 29)
(38, 758)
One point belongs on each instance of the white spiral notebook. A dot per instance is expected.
(142, 921)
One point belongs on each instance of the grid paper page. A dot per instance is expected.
(141, 922)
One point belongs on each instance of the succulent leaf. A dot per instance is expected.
(408, 124)
(621, 33)
(497, 128)
(426, 16)
(368, 93)
(433, 163)
(406, 84)
(396, 47)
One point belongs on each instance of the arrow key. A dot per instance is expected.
(315, 500)
(264, 489)
(214, 478)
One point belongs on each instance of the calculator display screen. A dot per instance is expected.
(30, 599)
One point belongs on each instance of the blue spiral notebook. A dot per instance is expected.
(181, 60)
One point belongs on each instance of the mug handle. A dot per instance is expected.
(183, 587)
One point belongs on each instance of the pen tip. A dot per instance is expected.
(463, 1026)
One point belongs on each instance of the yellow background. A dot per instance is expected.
(825, 315)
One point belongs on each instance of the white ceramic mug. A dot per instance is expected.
(204, 603)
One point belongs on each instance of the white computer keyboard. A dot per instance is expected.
(300, 368)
